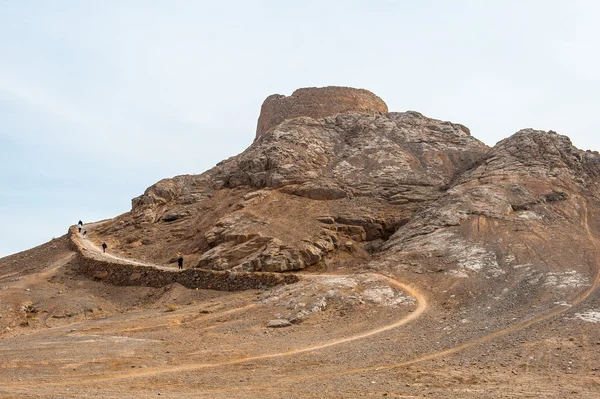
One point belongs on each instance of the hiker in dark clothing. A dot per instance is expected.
(180, 262)
(84, 233)
(80, 225)
(104, 246)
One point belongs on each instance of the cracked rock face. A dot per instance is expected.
(395, 190)
(526, 213)
(308, 193)
(401, 156)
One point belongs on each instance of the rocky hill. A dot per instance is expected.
(415, 259)
(320, 192)
(307, 193)
(393, 192)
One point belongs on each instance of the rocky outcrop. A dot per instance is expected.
(503, 244)
(353, 155)
(321, 190)
(308, 192)
(356, 164)
(234, 248)
(317, 103)
(526, 212)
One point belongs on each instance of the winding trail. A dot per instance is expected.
(88, 245)
(421, 307)
(519, 326)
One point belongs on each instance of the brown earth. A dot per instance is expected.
(427, 265)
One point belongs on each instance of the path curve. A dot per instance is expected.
(421, 302)
(88, 245)
(519, 326)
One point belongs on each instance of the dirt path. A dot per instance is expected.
(88, 244)
(421, 302)
(519, 326)
(27, 279)
(122, 379)
(421, 307)
(51, 268)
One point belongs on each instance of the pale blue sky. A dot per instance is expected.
(100, 99)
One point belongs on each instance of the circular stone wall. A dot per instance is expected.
(317, 102)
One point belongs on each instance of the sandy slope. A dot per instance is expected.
(216, 345)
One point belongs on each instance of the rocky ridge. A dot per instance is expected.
(350, 188)
(450, 267)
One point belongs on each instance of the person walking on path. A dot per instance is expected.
(179, 261)
(84, 233)
(80, 225)
(104, 246)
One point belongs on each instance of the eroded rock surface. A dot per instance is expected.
(525, 215)
(319, 193)
(498, 248)
(308, 193)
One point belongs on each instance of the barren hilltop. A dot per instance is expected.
(348, 252)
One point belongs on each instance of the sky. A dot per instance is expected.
(101, 99)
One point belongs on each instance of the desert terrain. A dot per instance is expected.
(347, 253)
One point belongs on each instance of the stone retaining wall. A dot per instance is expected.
(123, 274)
